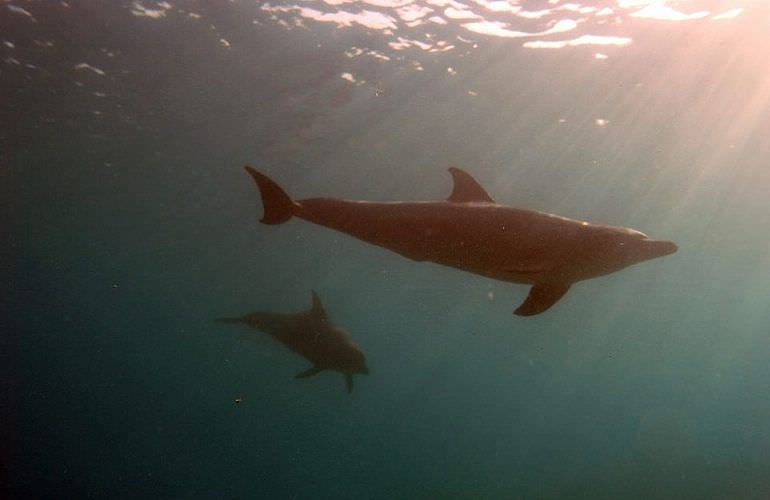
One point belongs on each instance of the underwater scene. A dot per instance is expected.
(384, 249)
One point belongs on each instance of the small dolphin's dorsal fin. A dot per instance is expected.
(309, 372)
(467, 189)
(541, 297)
(318, 308)
(349, 382)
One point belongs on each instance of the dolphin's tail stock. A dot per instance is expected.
(278, 206)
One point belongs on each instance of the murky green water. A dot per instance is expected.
(124, 130)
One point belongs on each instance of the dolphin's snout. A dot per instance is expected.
(668, 247)
(657, 248)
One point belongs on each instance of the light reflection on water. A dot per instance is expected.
(504, 19)
(367, 45)
(402, 29)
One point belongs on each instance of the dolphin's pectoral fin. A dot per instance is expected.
(349, 382)
(541, 297)
(313, 370)
(466, 188)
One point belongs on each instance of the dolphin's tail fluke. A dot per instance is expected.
(278, 206)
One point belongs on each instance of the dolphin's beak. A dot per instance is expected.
(656, 248)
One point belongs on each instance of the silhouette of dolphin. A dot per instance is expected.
(470, 231)
(311, 335)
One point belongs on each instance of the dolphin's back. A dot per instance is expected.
(473, 236)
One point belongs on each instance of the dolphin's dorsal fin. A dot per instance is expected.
(349, 382)
(318, 308)
(540, 298)
(467, 189)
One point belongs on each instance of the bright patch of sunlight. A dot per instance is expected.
(495, 28)
(583, 40)
(140, 10)
(730, 14)
(665, 13)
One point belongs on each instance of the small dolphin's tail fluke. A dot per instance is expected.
(278, 206)
(229, 320)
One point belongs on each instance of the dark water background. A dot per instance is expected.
(131, 225)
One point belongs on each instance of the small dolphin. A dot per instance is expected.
(470, 231)
(311, 335)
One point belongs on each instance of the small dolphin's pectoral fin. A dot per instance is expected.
(318, 308)
(349, 382)
(541, 297)
(313, 370)
(466, 189)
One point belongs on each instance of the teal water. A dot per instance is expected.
(132, 225)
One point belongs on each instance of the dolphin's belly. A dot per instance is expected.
(500, 242)
(301, 333)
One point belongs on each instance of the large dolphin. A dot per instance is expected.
(470, 231)
(311, 335)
